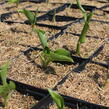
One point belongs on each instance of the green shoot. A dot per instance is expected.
(70, 5)
(6, 88)
(48, 55)
(30, 16)
(54, 16)
(82, 9)
(87, 18)
(14, 1)
(57, 99)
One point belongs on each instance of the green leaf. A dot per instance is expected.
(5, 91)
(6, 88)
(13, 1)
(12, 85)
(1, 90)
(42, 37)
(57, 99)
(3, 73)
(31, 17)
(58, 57)
(48, 56)
(89, 16)
(62, 52)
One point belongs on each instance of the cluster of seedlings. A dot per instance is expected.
(7, 88)
(47, 55)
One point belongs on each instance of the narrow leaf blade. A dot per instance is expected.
(62, 52)
(3, 73)
(42, 37)
(28, 14)
(57, 99)
(57, 57)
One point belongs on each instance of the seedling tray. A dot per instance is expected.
(42, 94)
(49, 16)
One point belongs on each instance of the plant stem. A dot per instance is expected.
(70, 5)
(54, 16)
(78, 48)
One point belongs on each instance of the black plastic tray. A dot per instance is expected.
(41, 94)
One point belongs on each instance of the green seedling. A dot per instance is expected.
(5, 88)
(70, 5)
(54, 16)
(14, 1)
(49, 55)
(57, 99)
(87, 19)
(32, 17)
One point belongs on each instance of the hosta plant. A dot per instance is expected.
(57, 99)
(87, 19)
(6, 88)
(32, 17)
(49, 55)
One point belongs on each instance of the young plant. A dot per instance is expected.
(87, 18)
(32, 17)
(70, 5)
(54, 16)
(57, 99)
(49, 55)
(14, 1)
(5, 88)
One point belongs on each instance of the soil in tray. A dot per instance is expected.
(18, 101)
(67, 12)
(69, 41)
(18, 37)
(9, 47)
(83, 2)
(98, 26)
(21, 34)
(43, 7)
(27, 71)
(29, 5)
(54, 106)
(101, 16)
(88, 85)
(103, 57)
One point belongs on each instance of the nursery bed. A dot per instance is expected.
(87, 85)
(70, 41)
(103, 56)
(18, 41)
(19, 101)
(29, 72)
